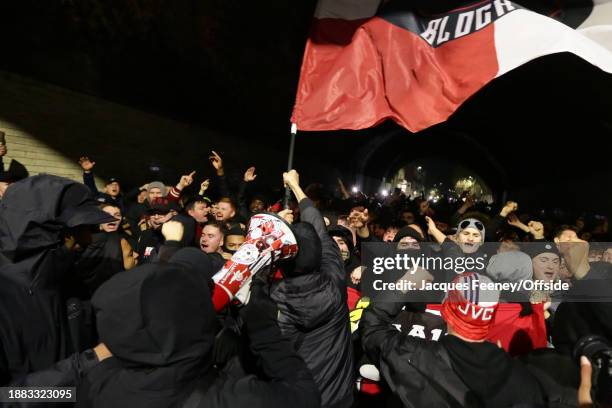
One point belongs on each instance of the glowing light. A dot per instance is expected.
(385, 193)
(355, 189)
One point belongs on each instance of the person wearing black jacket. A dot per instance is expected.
(312, 300)
(43, 221)
(462, 369)
(159, 324)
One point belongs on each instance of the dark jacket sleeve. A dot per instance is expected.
(90, 182)
(288, 383)
(493, 226)
(243, 206)
(331, 261)
(378, 335)
(222, 187)
(64, 373)
(168, 249)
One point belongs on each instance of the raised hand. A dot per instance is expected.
(186, 180)
(510, 206)
(536, 229)
(358, 219)
(291, 179)
(249, 175)
(86, 164)
(515, 222)
(216, 161)
(287, 215)
(204, 186)
(172, 231)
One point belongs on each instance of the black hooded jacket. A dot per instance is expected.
(159, 323)
(449, 372)
(33, 325)
(314, 314)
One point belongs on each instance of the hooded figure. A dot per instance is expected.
(350, 259)
(313, 309)
(36, 214)
(158, 322)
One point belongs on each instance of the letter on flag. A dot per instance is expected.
(365, 63)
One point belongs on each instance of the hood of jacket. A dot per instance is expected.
(35, 211)
(158, 320)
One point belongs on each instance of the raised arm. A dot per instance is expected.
(331, 261)
(88, 177)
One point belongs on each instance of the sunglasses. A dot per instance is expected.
(465, 224)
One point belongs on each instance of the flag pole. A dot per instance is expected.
(290, 163)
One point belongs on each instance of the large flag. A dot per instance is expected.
(365, 63)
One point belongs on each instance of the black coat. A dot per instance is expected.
(450, 372)
(33, 323)
(159, 323)
(314, 314)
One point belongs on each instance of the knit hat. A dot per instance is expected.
(511, 266)
(157, 184)
(472, 223)
(468, 308)
(408, 231)
(534, 249)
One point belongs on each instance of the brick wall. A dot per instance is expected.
(49, 127)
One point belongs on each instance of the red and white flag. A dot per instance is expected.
(364, 64)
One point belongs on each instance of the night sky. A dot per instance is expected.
(233, 66)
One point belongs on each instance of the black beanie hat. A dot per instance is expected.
(408, 231)
(534, 249)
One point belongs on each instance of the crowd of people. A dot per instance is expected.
(113, 292)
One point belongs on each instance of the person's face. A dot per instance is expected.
(154, 193)
(344, 249)
(546, 267)
(113, 189)
(142, 196)
(3, 186)
(157, 220)
(233, 242)
(389, 234)
(580, 223)
(256, 206)
(567, 236)
(79, 237)
(607, 255)
(130, 258)
(224, 212)
(469, 239)
(378, 231)
(211, 239)
(408, 217)
(111, 226)
(199, 212)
